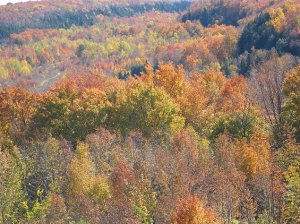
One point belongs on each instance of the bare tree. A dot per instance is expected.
(266, 82)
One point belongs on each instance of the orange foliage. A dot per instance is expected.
(233, 95)
(16, 109)
(172, 80)
(191, 211)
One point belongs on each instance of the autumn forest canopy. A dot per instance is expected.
(150, 112)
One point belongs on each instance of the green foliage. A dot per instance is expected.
(37, 210)
(85, 187)
(258, 34)
(269, 30)
(11, 192)
(80, 222)
(146, 109)
(291, 110)
(142, 214)
(72, 114)
(288, 154)
(292, 194)
(217, 12)
(100, 192)
(46, 164)
(235, 126)
(264, 219)
(144, 146)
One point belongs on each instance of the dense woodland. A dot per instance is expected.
(140, 112)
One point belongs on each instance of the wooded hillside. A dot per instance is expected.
(133, 111)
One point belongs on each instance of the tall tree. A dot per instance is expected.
(291, 114)
(266, 83)
(11, 193)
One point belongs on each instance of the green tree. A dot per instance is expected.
(292, 194)
(11, 194)
(291, 110)
(71, 112)
(141, 107)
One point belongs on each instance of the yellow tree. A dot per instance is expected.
(277, 19)
(84, 187)
(292, 194)
(253, 156)
(246, 159)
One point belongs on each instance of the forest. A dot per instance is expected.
(150, 112)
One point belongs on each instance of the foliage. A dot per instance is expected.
(72, 113)
(292, 195)
(144, 108)
(11, 194)
(135, 112)
(291, 108)
(191, 211)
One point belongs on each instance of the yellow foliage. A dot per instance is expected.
(277, 19)
(253, 157)
(81, 172)
(83, 181)
(100, 192)
(246, 159)
(172, 80)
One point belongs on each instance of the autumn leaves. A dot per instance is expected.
(175, 148)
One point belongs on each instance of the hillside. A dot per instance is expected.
(143, 112)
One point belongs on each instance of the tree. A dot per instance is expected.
(197, 102)
(141, 107)
(16, 110)
(230, 197)
(288, 154)
(192, 211)
(266, 83)
(259, 33)
(86, 193)
(124, 188)
(11, 193)
(292, 195)
(172, 80)
(57, 211)
(103, 148)
(47, 161)
(71, 112)
(291, 110)
(246, 159)
(235, 102)
(177, 171)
